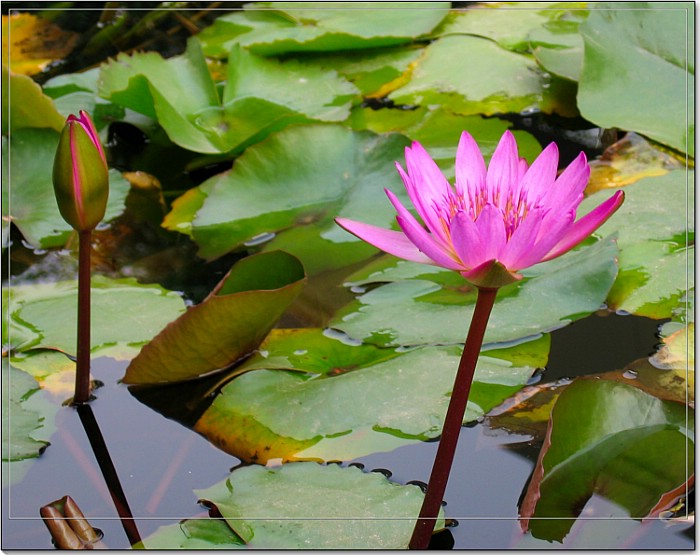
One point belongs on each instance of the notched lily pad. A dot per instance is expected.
(433, 311)
(124, 316)
(312, 506)
(19, 422)
(286, 27)
(345, 401)
(228, 325)
(473, 76)
(295, 183)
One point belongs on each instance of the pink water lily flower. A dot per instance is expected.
(493, 222)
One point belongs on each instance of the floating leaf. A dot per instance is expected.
(507, 23)
(472, 75)
(652, 280)
(439, 131)
(300, 177)
(346, 401)
(310, 506)
(35, 110)
(558, 46)
(32, 42)
(432, 311)
(19, 423)
(259, 96)
(195, 533)
(226, 326)
(655, 208)
(609, 439)
(285, 27)
(29, 155)
(124, 316)
(638, 72)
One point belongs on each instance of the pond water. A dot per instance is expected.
(159, 463)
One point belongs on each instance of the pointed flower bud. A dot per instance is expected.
(80, 177)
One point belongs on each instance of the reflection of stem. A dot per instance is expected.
(453, 421)
(99, 447)
(82, 368)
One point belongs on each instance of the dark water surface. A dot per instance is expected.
(160, 463)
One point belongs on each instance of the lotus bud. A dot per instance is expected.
(80, 175)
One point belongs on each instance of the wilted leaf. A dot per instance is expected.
(627, 161)
(32, 43)
(226, 326)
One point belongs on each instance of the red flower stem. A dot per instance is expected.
(82, 366)
(453, 421)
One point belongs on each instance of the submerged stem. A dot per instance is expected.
(82, 366)
(453, 421)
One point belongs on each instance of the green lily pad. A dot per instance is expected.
(508, 23)
(226, 326)
(344, 401)
(124, 316)
(259, 96)
(638, 72)
(609, 439)
(439, 131)
(655, 209)
(19, 423)
(35, 108)
(273, 28)
(369, 70)
(472, 75)
(558, 46)
(652, 280)
(433, 311)
(301, 176)
(195, 533)
(310, 506)
(28, 155)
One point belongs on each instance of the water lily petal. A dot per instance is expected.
(492, 232)
(466, 240)
(393, 242)
(421, 238)
(567, 191)
(523, 240)
(431, 184)
(502, 175)
(553, 227)
(425, 211)
(586, 225)
(470, 168)
(540, 176)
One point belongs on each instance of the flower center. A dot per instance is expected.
(513, 207)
